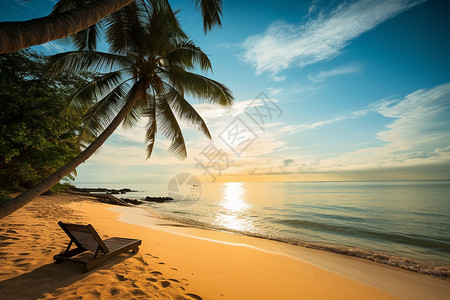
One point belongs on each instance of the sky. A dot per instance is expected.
(324, 90)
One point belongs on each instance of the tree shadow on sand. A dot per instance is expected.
(49, 278)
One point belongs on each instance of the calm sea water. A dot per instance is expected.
(395, 222)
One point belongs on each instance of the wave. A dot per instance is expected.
(391, 260)
(390, 237)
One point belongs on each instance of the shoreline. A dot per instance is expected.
(429, 269)
(397, 281)
(177, 261)
(355, 231)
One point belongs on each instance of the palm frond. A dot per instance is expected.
(163, 20)
(137, 95)
(200, 86)
(185, 111)
(92, 91)
(211, 12)
(101, 113)
(87, 39)
(132, 118)
(125, 29)
(169, 127)
(187, 55)
(150, 134)
(94, 61)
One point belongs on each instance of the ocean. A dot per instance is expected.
(400, 223)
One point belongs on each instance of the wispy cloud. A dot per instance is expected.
(279, 78)
(324, 75)
(315, 125)
(421, 120)
(297, 128)
(417, 140)
(418, 134)
(284, 45)
(312, 8)
(274, 91)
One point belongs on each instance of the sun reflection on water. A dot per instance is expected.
(234, 207)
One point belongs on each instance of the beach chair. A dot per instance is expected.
(91, 250)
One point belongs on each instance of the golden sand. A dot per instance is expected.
(180, 262)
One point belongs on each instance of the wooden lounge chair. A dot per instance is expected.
(91, 250)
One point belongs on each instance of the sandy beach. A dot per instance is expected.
(181, 262)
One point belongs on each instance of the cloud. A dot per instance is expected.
(279, 78)
(274, 91)
(324, 75)
(284, 45)
(287, 162)
(312, 8)
(419, 132)
(297, 128)
(421, 119)
(417, 144)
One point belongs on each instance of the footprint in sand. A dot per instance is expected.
(165, 283)
(26, 253)
(138, 292)
(161, 263)
(156, 273)
(114, 291)
(174, 280)
(18, 260)
(7, 237)
(152, 279)
(194, 296)
(174, 269)
(121, 277)
(23, 265)
(140, 259)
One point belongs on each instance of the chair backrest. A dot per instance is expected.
(84, 236)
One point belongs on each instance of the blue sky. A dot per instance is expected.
(356, 90)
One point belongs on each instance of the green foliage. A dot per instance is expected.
(4, 196)
(60, 188)
(36, 139)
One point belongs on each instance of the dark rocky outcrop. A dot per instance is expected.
(101, 190)
(132, 201)
(158, 199)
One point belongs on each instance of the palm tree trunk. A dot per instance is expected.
(18, 35)
(24, 198)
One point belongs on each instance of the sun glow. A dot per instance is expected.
(233, 207)
(233, 197)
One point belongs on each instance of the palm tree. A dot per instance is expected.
(18, 35)
(149, 74)
(72, 16)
